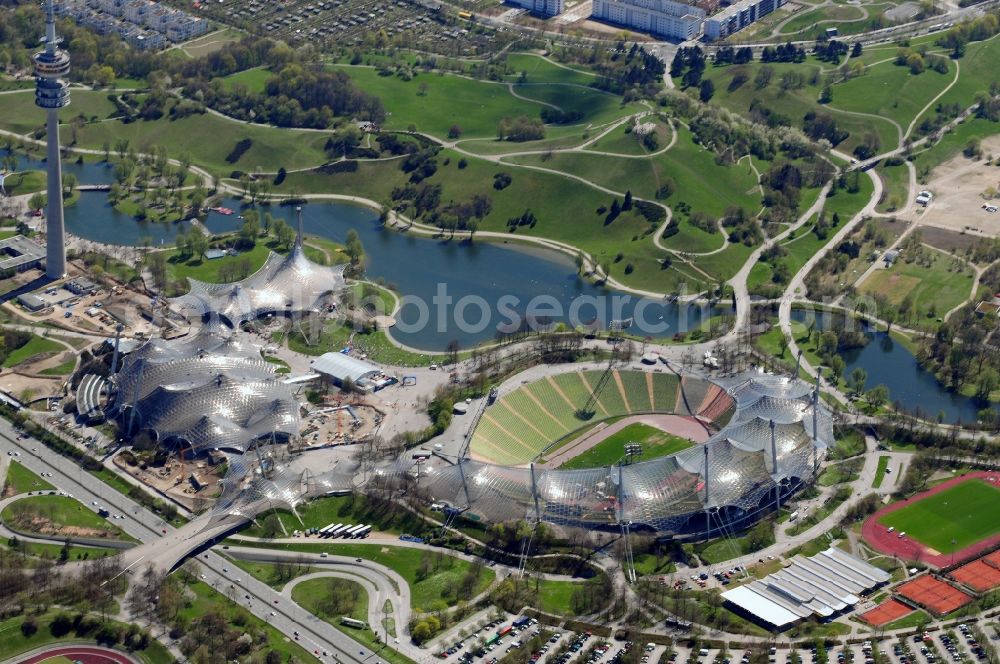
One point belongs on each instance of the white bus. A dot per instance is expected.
(363, 532)
(348, 534)
(353, 622)
(327, 529)
(339, 530)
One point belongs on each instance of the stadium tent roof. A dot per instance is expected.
(209, 390)
(761, 607)
(667, 492)
(284, 284)
(823, 585)
(342, 367)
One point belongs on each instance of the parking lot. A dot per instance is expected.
(536, 643)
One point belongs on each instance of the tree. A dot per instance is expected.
(250, 230)
(29, 627)
(826, 96)
(353, 247)
(198, 242)
(68, 184)
(782, 345)
(157, 264)
(856, 50)
(627, 203)
(857, 381)
(988, 381)
(706, 90)
(836, 368)
(455, 131)
(877, 396)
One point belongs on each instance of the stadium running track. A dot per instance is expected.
(85, 654)
(908, 549)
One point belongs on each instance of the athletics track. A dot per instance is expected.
(85, 654)
(909, 549)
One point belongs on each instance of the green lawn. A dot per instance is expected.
(910, 620)
(963, 513)
(35, 346)
(272, 574)
(938, 286)
(61, 369)
(896, 181)
(436, 102)
(54, 551)
(978, 70)
(310, 595)
(883, 465)
(58, 512)
(253, 79)
(891, 91)
(22, 116)
(539, 69)
(210, 139)
(795, 102)
(182, 267)
(655, 443)
(22, 480)
(439, 586)
(354, 509)
(554, 596)
(840, 473)
(831, 15)
(24, 182)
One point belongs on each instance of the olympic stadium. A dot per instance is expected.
(769, 434)
(754, 439)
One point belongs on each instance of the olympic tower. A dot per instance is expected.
(52, 93)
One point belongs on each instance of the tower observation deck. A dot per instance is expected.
(52, 93)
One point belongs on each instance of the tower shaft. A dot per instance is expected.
(52, 93)
(55, 228)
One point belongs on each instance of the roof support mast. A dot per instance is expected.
(815, 427)
(774, 469)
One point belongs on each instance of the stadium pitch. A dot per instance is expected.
(655, 442)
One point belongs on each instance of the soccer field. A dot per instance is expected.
(655, 443)
(966, 513)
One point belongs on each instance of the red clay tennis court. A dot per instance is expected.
(977, 575)
(934, 594)
(886, 612)
(992, 559)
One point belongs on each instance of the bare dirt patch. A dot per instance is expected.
(947, 240)
(958, 186)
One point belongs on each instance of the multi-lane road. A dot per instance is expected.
(316, 635)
